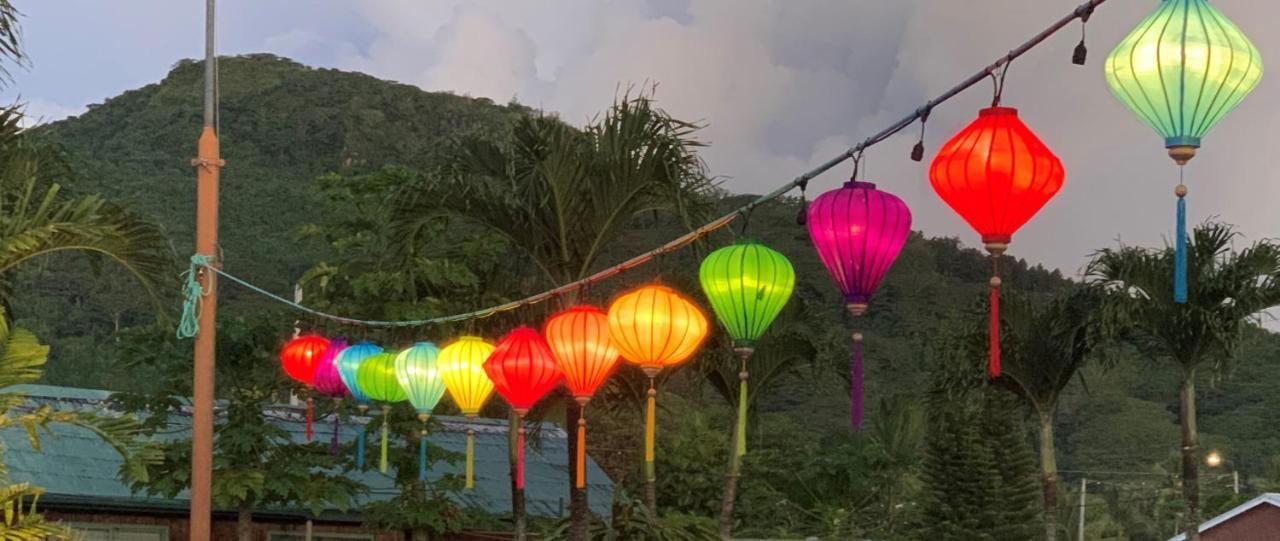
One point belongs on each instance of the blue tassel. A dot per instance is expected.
(422, 457)
(1180, 255)
(360, 449)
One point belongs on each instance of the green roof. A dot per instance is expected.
(77, 468)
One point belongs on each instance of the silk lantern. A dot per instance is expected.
(748, 284)
(996, 174)
(655, 327)
(418, 373)
(377, 378)
(300, 358)
(858, 231)
(523, 370)
(328, 382)
(1181, 71)
(461, 366)
(579, 339)
(349, 362)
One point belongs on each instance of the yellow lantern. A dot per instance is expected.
(461, 366)
(655, 327)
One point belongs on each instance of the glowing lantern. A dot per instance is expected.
(377, 378)
(747, 284)
(461, 366)
(579, 339)
(655, 327)
(349, 362)
(996, 174)
(1181, 71)
(523, 370)
(328, 382)
(858, 231)
(300, 358)
(419, 376)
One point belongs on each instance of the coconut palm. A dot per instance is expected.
(1045, 342)
(560, 195)
(1228, 289)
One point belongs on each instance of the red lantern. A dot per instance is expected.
(523, 370)
(996, 174)
(300, 359)
(579, 338)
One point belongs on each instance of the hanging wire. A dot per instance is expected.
(191, 308)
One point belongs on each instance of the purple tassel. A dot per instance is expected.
(855, 383)
(337, 428)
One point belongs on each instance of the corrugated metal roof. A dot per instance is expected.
(77, 467)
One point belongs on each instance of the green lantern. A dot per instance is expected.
(419, 376)
(1183, 69)
(747, 284)
(377, 378)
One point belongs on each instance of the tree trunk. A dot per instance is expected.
(579, 512)
(730, 486)
(1049, 477)
(244, 522)
(1190, 457)
(421, 534)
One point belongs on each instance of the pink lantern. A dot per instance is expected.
(328, 382)
(858, 232)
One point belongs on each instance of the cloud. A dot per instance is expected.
(40, 111)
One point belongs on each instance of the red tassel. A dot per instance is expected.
(520, 457)
(310, 411)
(993, 363)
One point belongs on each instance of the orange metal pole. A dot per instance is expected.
(208, 164)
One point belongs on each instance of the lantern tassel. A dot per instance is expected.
(1180, 248)
(386, 420)
(740, 449)
(650, 420)
(310, 414)
(422, 455)
(993, 361)
(471, 456)
(581, 470)
(337, 428)
(360, 443)
(520, 453)
(855, 383)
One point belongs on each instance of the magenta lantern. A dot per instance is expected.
(858, 232)
(329, 383)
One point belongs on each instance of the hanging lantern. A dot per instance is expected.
(300, 358)
(461, 366)
(655, 327)
(1181, 71)
(349, 362)
(747, 284)
(377, 378)
(996, 174)
(523, 370)
(328, 382)
(858, 231)
(419, 376)
(579, 339)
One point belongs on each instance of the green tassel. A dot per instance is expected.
(382, 462)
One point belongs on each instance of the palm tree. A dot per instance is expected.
(1228, 289)
(560, 195)
(1045, 343)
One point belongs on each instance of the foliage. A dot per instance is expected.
(631, 520)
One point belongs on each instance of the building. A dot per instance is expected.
(78, 472)
(1255, 520)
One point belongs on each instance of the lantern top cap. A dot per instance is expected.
(998, 111)
(858, 184)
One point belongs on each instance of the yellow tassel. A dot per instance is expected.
(382, 463)
(471, 454)
(649, 422)
(582, 453)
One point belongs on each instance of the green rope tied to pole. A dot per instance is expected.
(192, 297)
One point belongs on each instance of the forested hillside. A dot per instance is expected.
(283, 125)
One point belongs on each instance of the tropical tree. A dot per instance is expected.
(1227, 291)
(1045, 342)
(560, 195)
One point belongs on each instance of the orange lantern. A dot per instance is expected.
(579, 339)
(655, 327)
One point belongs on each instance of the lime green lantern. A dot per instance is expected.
(1183, 69)
(747, 284)
(377, 378)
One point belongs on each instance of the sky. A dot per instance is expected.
(781, 86)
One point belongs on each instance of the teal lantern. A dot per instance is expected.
(1181, 70)
(377, 378)
(349, 362)
(747, 284)
(419, 376)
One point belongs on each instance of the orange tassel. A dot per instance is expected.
(582, 453)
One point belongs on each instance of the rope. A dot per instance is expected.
(192, 293)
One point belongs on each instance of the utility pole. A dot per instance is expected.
(208, 164)
(1084, 488)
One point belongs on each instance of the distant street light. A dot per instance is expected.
(1214, 459)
